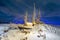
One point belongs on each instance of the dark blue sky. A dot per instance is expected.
(15, 9)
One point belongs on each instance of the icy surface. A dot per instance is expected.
(52, 33)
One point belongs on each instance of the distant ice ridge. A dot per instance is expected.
(52, 29)
(2, 28)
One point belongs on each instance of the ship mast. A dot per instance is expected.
(26, 17)
(38, 18)
(39, 14)
(34, 15)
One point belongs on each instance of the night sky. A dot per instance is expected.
(14, 10)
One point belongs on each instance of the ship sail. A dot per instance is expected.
(26, 17)
(34, 15)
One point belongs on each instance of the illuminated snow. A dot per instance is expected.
(50, 33)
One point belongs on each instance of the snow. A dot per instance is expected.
(50, 33)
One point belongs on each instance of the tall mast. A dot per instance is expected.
(38, 17)
(26, 15)
(34, 15)
(39, 14)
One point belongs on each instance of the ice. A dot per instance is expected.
(52, 33)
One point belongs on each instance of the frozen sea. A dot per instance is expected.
(52, 33)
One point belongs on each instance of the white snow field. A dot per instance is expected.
(52, 33)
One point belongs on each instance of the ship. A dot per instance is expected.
(29, 25)
(23, 31)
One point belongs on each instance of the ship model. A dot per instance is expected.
(22, 31)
